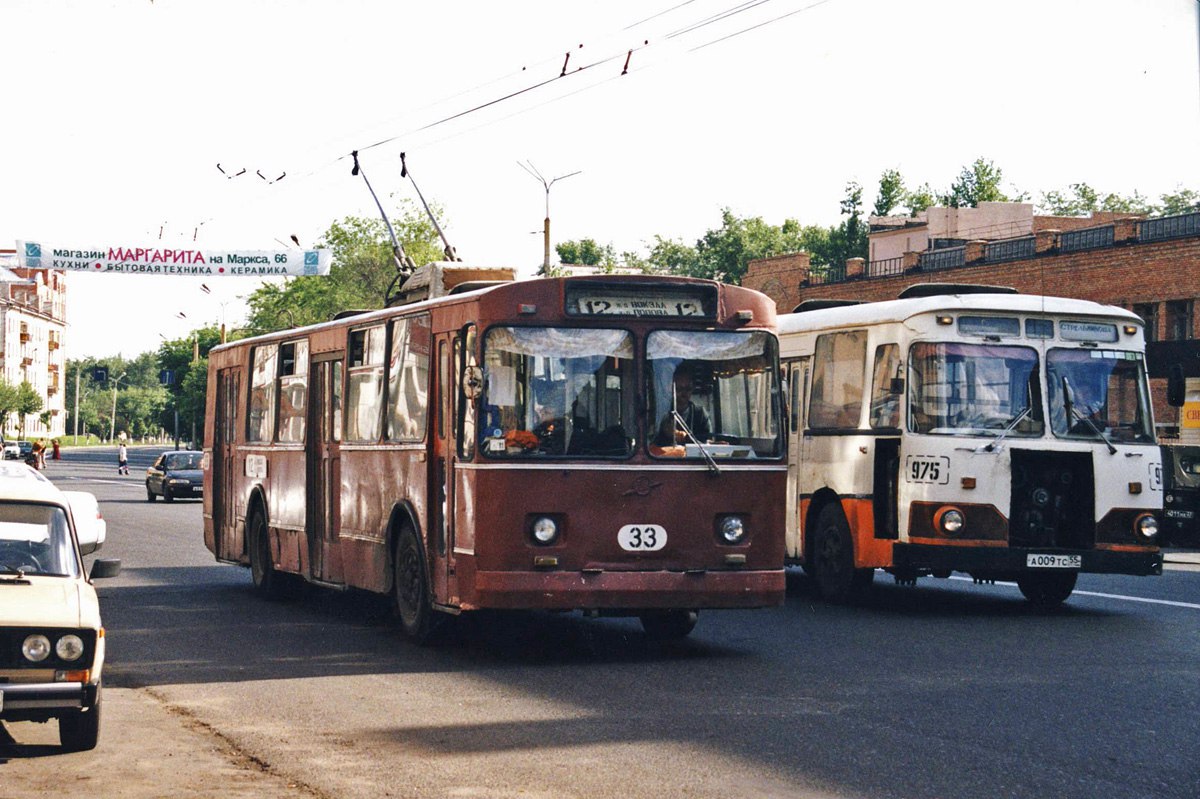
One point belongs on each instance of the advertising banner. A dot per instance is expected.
(174, 261)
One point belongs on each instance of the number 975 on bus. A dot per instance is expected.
(927, 469)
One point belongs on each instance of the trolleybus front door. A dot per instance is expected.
(440, 548)
(224, 508)
(322, 472)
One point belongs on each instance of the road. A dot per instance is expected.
(945, 690)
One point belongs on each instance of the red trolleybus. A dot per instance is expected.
(605, 444)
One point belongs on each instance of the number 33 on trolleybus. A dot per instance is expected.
(611, 445)
(1006, 436)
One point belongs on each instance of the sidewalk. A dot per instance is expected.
(1188, 556)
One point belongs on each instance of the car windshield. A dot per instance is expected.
(182, 460)
(1098, 393)
(974, 389)
(35, 539)
(551, 391)
(712, 392)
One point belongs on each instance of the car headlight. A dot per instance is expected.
(36, 648)
(1146, 527)
(950, 521)
(733, 529)
(544, 530)
(69, 647)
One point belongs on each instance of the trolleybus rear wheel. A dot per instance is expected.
(1047, 591)
(832, 561)
(411, 587)
(669, 625)
(262, 571)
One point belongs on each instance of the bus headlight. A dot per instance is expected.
(1146, 527)
(545, 530)
(36, 648)
(950, 521)
(733, 530)
(69, 647)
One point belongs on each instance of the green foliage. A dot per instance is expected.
(920, 198)
(1181, 201)
(139, 409)
(191, 377)
(977, 183)
(891, 192)
(587, 252)
(1080, 199)
(363, 271)
(28, 402)
(8, 401)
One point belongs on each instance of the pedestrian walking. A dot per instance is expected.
(57, 451)
(122, 459)
(39, 453)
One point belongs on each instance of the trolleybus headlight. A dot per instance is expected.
(36, 648)
(1146, 527)
(950, 521)
(544, 530)
(69, 647)
(733, 530)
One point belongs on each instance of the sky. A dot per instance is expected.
(119, 112)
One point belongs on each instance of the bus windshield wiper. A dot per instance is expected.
(991, 445)
(712, 464)
(17, 571)
(1069, 404)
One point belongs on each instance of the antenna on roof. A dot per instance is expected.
(451, 255)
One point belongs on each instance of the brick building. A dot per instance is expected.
(1150, 266)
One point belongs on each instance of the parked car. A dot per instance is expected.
(1181, 495)
(12, 452)
(25, 449)
(51, 665)
(175, 474)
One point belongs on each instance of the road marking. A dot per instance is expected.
(1147, 600)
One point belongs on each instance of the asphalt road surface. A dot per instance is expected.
(943, 690)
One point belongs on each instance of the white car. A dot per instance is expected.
(52, 657)
(12, 452)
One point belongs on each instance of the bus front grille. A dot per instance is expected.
(1052, 500)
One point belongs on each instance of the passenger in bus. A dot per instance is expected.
(695, 417)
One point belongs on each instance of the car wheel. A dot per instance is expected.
(413, 603)
(1047, 591)
(79, 731)
(832, 559)
(149, 493)
(669, 625)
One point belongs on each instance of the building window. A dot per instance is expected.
(1149, 313)
(1179, 320)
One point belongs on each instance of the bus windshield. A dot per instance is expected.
(974, 389)
(1098, 393)
(557, 391)
(712, 393)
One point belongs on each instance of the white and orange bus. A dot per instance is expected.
(527, 445)
(1009, 437)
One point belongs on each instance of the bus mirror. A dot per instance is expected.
(897, 386)
(1176, 386)
(472, 382)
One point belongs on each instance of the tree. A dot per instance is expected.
(891, 192)
(1080, 199)
(587, 252)
(920, 198)
(1181, 201)
(363, 271)
(28, 402)
(8, 402)
(139, 409)
(976, 183)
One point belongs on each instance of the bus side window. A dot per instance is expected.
(885, 400)
(408, 379)
(293, 391)
(839, 362)
(364, 390)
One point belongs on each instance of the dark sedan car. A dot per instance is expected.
(175, 474)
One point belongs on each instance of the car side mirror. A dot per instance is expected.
(105, 567)
(1176, 386)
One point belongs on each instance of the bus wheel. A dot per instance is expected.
(832, 559)
(669, 625)
(262, 572)
(1047, 591)
(411, 588)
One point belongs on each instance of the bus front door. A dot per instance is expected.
(224, 502)
(322, 472)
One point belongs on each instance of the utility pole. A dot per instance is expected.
(78, 370)
(112, 422)
(532, 170)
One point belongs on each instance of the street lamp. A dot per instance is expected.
(532, 170)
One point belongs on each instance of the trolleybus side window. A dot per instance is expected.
(408, 379)
(887, 387)
(364, 390)
(557, 391)
(837, 384)
(293, 391)
(712, 392)
(260, 419)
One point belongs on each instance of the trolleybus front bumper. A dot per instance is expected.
(629, 590)
(1014, 560)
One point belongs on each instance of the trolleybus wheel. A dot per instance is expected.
(1047, 591)
(669, 625)
(262, 572)
(411, 588)
(79, 730)
(832, 559)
